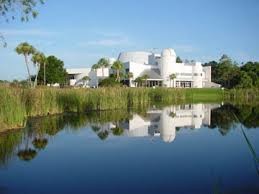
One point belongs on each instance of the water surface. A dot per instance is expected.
(193, 148)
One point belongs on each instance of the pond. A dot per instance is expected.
(192, 148)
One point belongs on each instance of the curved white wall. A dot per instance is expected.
(168, 59)
(197, 75)
(136, 57)
(167, 128)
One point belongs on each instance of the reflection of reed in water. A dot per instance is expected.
(39, 130)
(9, 142)
(250, 146)
(256, 159)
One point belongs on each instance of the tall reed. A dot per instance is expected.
(17, 104)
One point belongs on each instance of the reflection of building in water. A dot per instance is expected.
(164, 123)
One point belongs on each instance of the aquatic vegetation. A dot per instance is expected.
(17, 104)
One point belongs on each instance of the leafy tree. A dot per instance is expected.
(55, 71)
(26, 50)
(178, 60)
(214, 70)
(245, 80)
(225, 59)
(23, 9)
(252, 68)
(227, 72)
(118, 66)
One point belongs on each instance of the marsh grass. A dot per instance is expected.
(18, 103)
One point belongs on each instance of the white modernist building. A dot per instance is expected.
(156, 67)
(166, 122)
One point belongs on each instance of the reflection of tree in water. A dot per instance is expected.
(8, 144)
(27, 154)
(40, 143)
(104, 119)
(252, 120)
(117, 131)
(103, 134)
(39, 130)
(224, 119)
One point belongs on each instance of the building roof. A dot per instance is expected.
(153, 74)
(74, 71)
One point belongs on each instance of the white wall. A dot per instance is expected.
(184, 115)
(94, 75)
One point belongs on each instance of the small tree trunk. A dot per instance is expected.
(118, 76)
(36, 78)
(44, 74)
(28, 69)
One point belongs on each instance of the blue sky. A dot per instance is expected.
(82, 31)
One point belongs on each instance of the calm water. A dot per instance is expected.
(178, 149)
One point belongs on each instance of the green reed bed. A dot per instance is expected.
(17, 104)
(242, 96)
(12, 109)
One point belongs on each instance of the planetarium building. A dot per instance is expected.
(163, 70)
(158, 70)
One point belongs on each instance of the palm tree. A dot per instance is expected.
(27, 154)
(26, 50)
(86, 79)
(130, 76)
(139, 81)
(38, 60)
(117, 66)
(40, 143)
(172, 77)
(103, 63)
(103, 134)
(145, 77)
(94, 68)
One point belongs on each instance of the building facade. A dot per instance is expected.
(159, 70)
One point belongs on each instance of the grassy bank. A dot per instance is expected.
(18, 104)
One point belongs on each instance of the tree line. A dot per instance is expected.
(230, 74)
